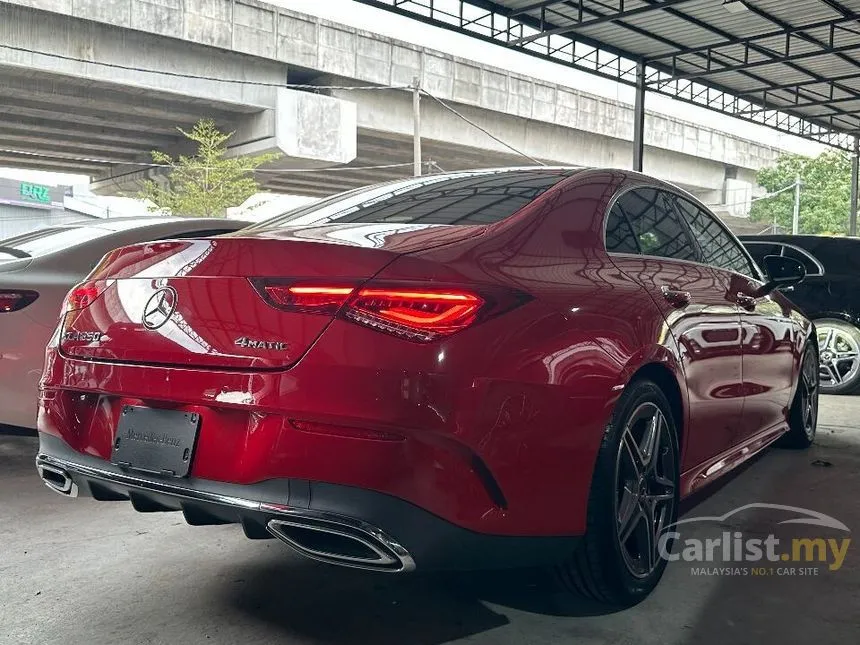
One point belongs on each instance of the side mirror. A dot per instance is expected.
(781, 272)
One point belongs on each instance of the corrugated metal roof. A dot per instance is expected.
(773, 53)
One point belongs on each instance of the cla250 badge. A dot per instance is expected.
(253, 343)
(84, 336)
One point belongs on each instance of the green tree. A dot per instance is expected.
(825, 193)
(207, 183)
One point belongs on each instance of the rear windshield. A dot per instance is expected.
(458, 198)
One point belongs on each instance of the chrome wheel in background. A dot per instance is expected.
(839, 356)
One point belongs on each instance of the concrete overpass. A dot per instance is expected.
(110, 81)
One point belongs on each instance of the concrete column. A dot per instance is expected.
(639, 119)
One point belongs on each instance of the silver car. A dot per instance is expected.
(38, 269)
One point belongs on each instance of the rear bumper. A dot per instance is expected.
(404, 536)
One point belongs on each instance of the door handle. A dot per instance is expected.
(745, 301)
(675, 297)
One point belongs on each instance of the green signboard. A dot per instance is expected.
(36, 193)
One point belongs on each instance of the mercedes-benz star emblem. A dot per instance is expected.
(159, 308)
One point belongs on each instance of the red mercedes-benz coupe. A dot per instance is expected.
(477, 369)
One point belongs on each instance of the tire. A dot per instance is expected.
(803, 415)
(604, 566)
(839, 349)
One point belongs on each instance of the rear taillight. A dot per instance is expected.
(410, 311)
(14, 300)
(415, 314)
(83, 295)
(307, 298)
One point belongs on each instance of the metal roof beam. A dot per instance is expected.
(601, 18)
(832, 24)
(792, 86)
(808, 104)
(653, 4)
(532, 7)
(849, 18)
(833, 4)
(743, 67)
(727, 37)
(717, 97)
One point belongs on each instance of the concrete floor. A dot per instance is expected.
(82, 572)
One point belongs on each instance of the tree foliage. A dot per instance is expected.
(825, 193)
(207, 183)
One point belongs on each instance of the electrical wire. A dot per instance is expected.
(484, 130)
(239, 81)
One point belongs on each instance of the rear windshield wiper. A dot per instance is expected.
(15, 253)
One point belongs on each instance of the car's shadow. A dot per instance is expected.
(320, 603)
(15, 431)
(306, 601)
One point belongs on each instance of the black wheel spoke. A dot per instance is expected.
(650, 543)
(662, 497)
(633, 517)
(651, 441)
(660, 525)
(634, 457)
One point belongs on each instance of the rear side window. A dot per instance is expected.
(458, 198)
(760, 250)
(619, 233)
(812, 267)
(656, 225)
(719, 249)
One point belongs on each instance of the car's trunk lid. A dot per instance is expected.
(195, 303)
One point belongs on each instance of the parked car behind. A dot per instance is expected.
(38, 268)
(829, 295)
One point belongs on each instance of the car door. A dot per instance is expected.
(704, 324)
(769, 332)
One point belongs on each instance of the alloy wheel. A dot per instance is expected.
(645, 488)
(839, 356)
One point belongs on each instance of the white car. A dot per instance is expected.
(38, 269)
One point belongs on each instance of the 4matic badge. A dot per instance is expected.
(254, 343)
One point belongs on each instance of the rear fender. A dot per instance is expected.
(664, 357)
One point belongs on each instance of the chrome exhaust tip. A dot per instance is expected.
(57, 480)
(342, 541)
